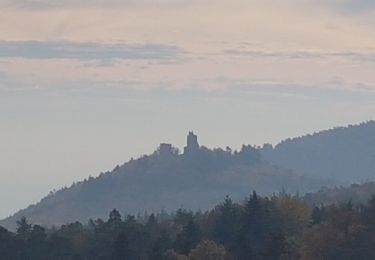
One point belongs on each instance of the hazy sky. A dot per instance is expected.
(85, 85)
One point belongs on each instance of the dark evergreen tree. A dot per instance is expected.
(122, 249)
(189, 237)
(23, 228)
(226, 223)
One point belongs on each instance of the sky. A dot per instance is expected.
(86, 85)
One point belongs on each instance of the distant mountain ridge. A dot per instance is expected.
(197, 179)
(344, 154)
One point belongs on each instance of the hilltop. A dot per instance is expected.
(197, 179)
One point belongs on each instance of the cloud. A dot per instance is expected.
(87, 51)
(272, 54)
(364, 56)
(355, 6)
(356, 56)
(341, 5)
(347, 6)
(68, 4)
(41, 4)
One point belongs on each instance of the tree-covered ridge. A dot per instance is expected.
(355, 193)
(166, 180)
(343, 154)
(278, 227)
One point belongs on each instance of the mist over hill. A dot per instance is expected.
(344, 154)
(198, 178)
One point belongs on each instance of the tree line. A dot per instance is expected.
(277, 227)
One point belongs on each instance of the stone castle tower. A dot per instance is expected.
(192, 145)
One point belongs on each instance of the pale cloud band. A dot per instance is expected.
(87, 51)
(365, 56)
(188, 43)
(357, 5)
(349, 6)
(62, 4)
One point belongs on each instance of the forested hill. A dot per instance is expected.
(344, 154)
(197, 179)
(356, 194)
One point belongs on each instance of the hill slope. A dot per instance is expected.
(345, 154)
(167, 180)
(356, 193)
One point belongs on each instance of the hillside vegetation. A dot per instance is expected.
(356, 194)
(276, 227)
(343, 154)
(166, 180)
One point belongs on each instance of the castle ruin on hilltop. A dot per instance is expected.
(192, 146)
